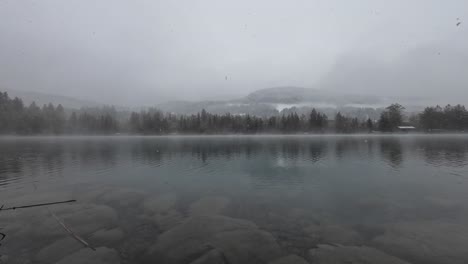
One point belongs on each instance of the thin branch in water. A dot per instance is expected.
(73, 234)
(2, 236)
(35, 205)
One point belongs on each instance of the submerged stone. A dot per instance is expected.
(106, 236)
(327, 254)
(102, 255)
(427, 242)
(83, 219)
(290, 259)
(239, 241)
(209, 205)
(211, 257)
(168, 220)
(57, 250)
(116, 196)
(334, 234)
(160, 204)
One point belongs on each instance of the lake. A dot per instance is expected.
(236, 199)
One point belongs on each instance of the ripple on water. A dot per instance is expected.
(334, 184)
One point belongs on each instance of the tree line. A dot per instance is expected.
(432, 119)
(155, 122)
(451, 118)
(16, 118)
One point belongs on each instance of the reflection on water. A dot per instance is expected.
(396, 195)
(391, 150)
(21, 158)
(450, 152)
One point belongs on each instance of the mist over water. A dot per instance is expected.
(354, 190)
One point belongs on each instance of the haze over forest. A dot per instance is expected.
(146, 53)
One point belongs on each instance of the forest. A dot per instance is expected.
(17, 118)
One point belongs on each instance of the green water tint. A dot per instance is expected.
(275, 199)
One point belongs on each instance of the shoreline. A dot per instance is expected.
(237, 135)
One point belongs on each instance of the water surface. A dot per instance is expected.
(402, 196)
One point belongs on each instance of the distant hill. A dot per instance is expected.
(279, 100)
(263, 102)
(43, 98)
(279, 95)
(292, 95)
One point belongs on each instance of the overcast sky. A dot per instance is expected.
(139, 52)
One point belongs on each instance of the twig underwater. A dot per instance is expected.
(3, 236)
(34, 205)
(73, 234)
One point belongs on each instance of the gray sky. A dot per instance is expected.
(140, 52)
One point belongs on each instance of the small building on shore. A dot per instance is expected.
(406, 129)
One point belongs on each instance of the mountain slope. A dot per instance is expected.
(43, 98)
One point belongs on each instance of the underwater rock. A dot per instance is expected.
(209, 205)
(106, 236)
(327, 254)
(290, 259)
(102, 255)
(211, 257)
(168, 220)
(57, 250)
(117, 196)
(334, 234)
(239, 241)
(159, 204)
(83, 219)
(426, 242)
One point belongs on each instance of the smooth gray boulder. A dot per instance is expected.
(209, 205)
(326, 254)
(426, 242)
(116, 196)
(83, 219)
(211, 257)
(334, 234)
(102, 255)
(238, 241)
(57, 250)
(159, 204)
(105, 237)
(167, 220)
(290, 259)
